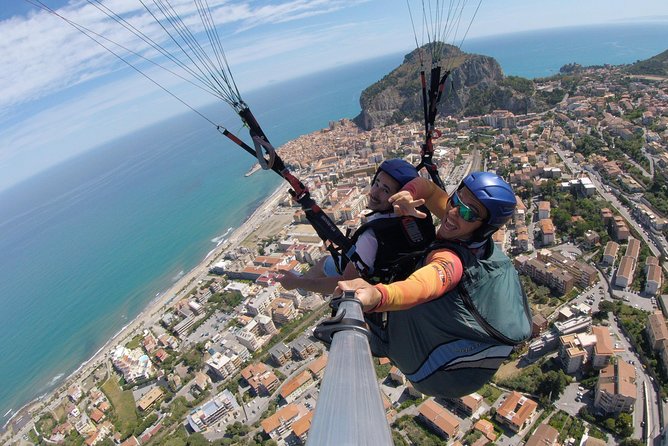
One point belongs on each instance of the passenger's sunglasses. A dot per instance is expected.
(465, 212)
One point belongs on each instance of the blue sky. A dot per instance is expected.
(62, 94)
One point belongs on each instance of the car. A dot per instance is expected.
(580, 388)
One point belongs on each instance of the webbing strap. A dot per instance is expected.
(336, 243)
(430, 100)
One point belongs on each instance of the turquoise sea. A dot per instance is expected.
(85, 246)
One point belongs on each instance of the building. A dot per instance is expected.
(261, 379)
(260, 303)
(302, 348)
(134, 365)
(572, 353)
(279, 425)
(280, 354)
(610, 253)
(222, 405)
(547, 231)
(317, 366)
(584, 274)
(283, 311)
(616, 388)
(266, 324)
(221, 366)
(602, 351)
(486, 428)
(657, 331)
(202, 381)
(438, 419)
(620, 230)
(625, 271)
(292, 389)
(300, 430)
(538, 324)
(249, 340)
(469, 404)
(555, 278)
(149, 399)
(654, 280)
(543, 210)
(545, 435)
(516, 411)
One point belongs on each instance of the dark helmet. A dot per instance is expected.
(496, 195)
(402, 171)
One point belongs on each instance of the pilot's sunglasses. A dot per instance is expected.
(465, 212)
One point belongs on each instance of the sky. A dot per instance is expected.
(62, 94)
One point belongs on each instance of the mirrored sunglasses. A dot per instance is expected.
(464, 211)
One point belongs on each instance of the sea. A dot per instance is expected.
(88, 244)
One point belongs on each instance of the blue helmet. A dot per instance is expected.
(496, 195)
(402, 171)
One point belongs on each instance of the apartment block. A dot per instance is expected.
(657, 332)
(439, 419)
(610, 253)
(616, 389)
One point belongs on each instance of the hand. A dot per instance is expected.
(364, 291)
(289, 280)
(404, 204)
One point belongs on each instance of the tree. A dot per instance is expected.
(606, 305)
(631, 442)
(197, 439)
(624, 425)
(237, 428)
(553, 384)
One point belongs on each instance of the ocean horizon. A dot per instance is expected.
(88, 244)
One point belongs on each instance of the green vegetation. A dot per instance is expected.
(417, 433)
(135, 342)
(381, 370)
(552, 97)
(45, 424)
(657, 66)
(568, 427)
(490, 393)
(547, 381)
(410, 401)
(566, 205)
(619, 424)
(125, 415)
(519, 84)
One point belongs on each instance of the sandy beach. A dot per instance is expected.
(151, 314)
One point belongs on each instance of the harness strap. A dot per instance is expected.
(336, 243)
(430, 101)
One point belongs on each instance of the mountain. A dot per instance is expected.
(656, 66)
(475, 86)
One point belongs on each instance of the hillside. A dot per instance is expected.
(476, 86)
(655, 66)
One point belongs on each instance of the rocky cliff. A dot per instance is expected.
(475, 86)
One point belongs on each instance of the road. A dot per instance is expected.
(593, 176)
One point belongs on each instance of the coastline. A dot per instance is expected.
(151, 313)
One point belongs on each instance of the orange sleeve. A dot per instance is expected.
(435, 198)
(441, 274)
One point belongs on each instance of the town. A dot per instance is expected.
(232, 360)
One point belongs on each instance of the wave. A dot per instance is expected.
(55, 379)
(178, 276)
(221, 238)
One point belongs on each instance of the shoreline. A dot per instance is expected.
(149, 315)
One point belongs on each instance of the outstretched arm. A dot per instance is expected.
(318, 283)
(441, 274)
(417, 192)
